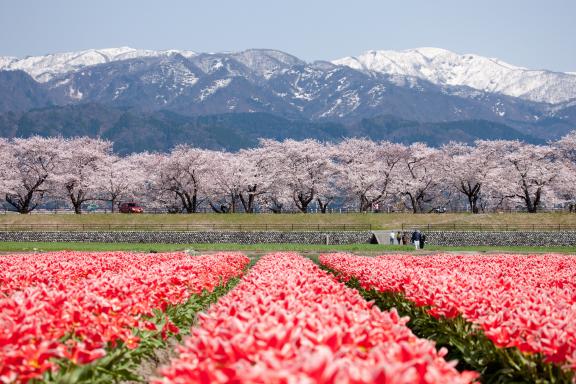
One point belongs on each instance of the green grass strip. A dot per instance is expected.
(264, 247)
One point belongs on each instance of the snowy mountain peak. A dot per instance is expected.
(45, 68)
(444, 67)
(270, 54)
(411, 61)
(266, 62)
(430, 51)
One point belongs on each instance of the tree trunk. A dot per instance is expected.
(222, 209)
(276, 206)
(364, 204)
(76, 199)
(323, 206)
(367, 204)
(413, 203)
(233, 203)
(473, 201)
(189, 202)
(248, 203)
(23, 204)
(532, 205)
(303, 200)
(194, 201)
(303, 207)
(472, 193)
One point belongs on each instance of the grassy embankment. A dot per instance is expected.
(378, 221)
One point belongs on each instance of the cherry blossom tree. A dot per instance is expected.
(277, 198)
(526, 173)
(77, 177)
(141, 185)
(303, 167)
(225, 183)
(367, 170)
(468, 169)
(29, 167)
(565, 149)
(182, 175)
(120, 178)
(421, 176)
(238, 181)
(291, 174)
(255, 181)
(7, 171)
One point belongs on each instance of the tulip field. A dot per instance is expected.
(287, 321)
(524, 305)
(63, 312)
(72, 317)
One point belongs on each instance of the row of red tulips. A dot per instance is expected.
(78, 307)
(287, 321)
(523, 302)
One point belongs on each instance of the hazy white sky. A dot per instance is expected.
(532, 33)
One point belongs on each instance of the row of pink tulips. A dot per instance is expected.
(528, 302)
(287, 321)
(75, 306)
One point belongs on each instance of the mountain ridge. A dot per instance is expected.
(444, 67)
(449, 68)
(315, 95)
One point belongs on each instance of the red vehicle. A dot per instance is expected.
(130, 208)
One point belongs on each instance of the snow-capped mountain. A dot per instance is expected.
(443, 67)
(45, 68)
(272, 82)
(439, 66)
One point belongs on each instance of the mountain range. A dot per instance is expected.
(228, 100)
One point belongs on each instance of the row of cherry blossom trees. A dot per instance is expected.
(290, 175)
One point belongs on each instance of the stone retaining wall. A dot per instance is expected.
(192, 237)
(538, 239)
(446, 238)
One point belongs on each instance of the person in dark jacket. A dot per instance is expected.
(422, 240)
(416, 237)
(405, 238)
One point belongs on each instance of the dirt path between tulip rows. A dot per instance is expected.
(148, 368)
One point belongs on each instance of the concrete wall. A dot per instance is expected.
(192, 237)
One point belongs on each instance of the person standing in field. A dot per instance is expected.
(392, 237)
(416, 237)
(398, 238)
(422, 240)
(405, 238)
